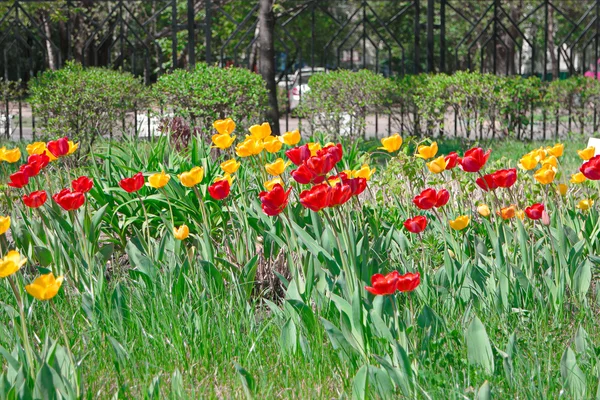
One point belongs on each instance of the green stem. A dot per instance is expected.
(147, 223)
(26, 344)
(67, 344)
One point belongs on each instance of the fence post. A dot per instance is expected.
(430, 44)
(174, 33)
(442, 35)
(417, 34)
(191, 35)
(208, 29)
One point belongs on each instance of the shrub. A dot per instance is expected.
(210, 93)
(519, 96)
(577, 94)
(85, 103)
(337, 95)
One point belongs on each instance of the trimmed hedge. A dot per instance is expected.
(210, 93)
(84, 102)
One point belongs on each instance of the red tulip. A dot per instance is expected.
(304, 175)
(535, 211)
(18, 180)
(30, 170)
(275, 200)
(298, 155)
(426, 200)
(451, 160)
(132, 184)
(591, 168)
(220, 189)
(442, 198)
(487, 182)
(35, 199)
(505, 178)
(340, 194)
(408, 282)
(357, 185)
(321, 164)
(334, 151)
(474, 159)
(59, 147)
(416, 224)
(82, 184)
(69, 200)
(39, 160)
(383, 285)
(317, 197)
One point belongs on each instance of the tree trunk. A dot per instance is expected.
(49, 48)
(553, 59)
(267, 60)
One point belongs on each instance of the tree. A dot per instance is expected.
(266, 22)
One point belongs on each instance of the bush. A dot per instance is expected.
(337, 96)
(85, 103)
(210, 93)
(577, 94)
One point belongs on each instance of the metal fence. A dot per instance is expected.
(548, 38)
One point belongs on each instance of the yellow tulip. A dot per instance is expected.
(223, 141)
(545, 175)
(182, 232)
(224, 126)
(45, 287)
(459, 223)
(192, 177)
(36, 148)
(585, 205)
(587, 153)
(272, 144)
(230, 166)
(550, 160)
(270, 184)
(438, 165)
(528, 162)
(260, 131)
(562, 189)
(539, 154)
(11, 156)
(483, 210)
(391, 143)
(4, 224)
(578, 178)
(249, 147)
(158, 180)
(521, 215)
(314, 148)
(277, 167)
(427, 152)
(11, 263)
(226, 177)
(363, 172)
(291, 138)
(72, 147)
(556, 150)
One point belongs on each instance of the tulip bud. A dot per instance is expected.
(483, 210)
(545, 218)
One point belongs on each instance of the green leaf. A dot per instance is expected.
(484, 392)
(573, 377)
(582, 280)
(43, 255)
(479, 350)
(247, 380)
(360, 383)
(289, 337)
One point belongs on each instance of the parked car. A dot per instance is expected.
(300, 84)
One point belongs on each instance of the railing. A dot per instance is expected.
(548, 38)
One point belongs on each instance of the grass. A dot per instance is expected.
(187, 331)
